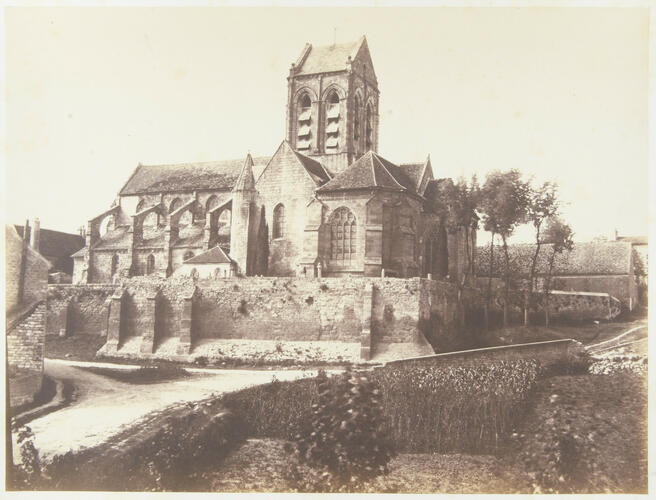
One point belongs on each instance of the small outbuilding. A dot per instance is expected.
(212, 264)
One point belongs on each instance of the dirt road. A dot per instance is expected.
(104, 407)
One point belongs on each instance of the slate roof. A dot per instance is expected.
(373, 171)
(114, 239)
(185, 176)
(634, 240)
(591, 258)
(326, 58)
(213, 256)
(55, 244)
(316, 170)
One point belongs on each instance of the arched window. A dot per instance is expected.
(107, 225)
(175, 204)
(187, 255)
(304, 113)
(279, 221)
(141, 205)
(212, 203)
(150, 264)
(343, 235)
(369, 131)
(114, 264)
(332, 120)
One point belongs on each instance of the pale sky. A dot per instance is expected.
(559, 93)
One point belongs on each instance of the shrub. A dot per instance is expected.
(344, 441)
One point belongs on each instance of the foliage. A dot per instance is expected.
(561, 237)
(504, 202)
(344, 440)
(28, 474)
(542, 205)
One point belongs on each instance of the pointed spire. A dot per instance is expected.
(246, 181)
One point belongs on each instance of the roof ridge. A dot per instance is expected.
(388, 172)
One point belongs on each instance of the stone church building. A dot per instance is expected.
(325, 204)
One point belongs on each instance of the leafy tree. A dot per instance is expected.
(560, 236)
(542, 205)
(504, 202)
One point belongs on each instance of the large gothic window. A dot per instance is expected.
(369, 132)
(279, 221)
(343, 233)
(304, 113)
(332, 121)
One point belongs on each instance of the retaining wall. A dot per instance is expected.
(369, 311)
(78, 309)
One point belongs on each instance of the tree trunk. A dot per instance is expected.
(526, 305)
(489, 284)
(506, 286)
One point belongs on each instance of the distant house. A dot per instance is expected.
(640, 245)
(600, 266)
(213, 263)
(55, 246)
(26, 284)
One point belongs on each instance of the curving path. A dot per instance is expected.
(103, 407)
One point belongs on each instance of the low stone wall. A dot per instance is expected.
(25, 341)
(23, 387)
(78, 309)
(563, 304)
(547, 353)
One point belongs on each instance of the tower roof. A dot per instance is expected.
(327, 58)
(372, 171)
(246, 181)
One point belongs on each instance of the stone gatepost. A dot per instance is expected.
(187, 322)
(115, 320)
(365, 334)
(149, 334)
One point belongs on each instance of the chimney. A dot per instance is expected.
(26, 232)
(616, 234)
(83, 231)
(36, 234)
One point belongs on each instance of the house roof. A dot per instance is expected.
(590, 258)
(634, 240)
(56, 244)
(212, 256)
(327, 58)
(373, 171)
(185, 176)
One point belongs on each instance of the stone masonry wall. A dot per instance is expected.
(78, 309)
(25, 341)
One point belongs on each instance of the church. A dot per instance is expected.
(325, 204)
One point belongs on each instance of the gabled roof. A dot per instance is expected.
(185, 176)
(213, 256)
(55, 244)
(372, 171)
(327, 58)
(315, 170)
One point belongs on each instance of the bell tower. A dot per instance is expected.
(332, 103)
